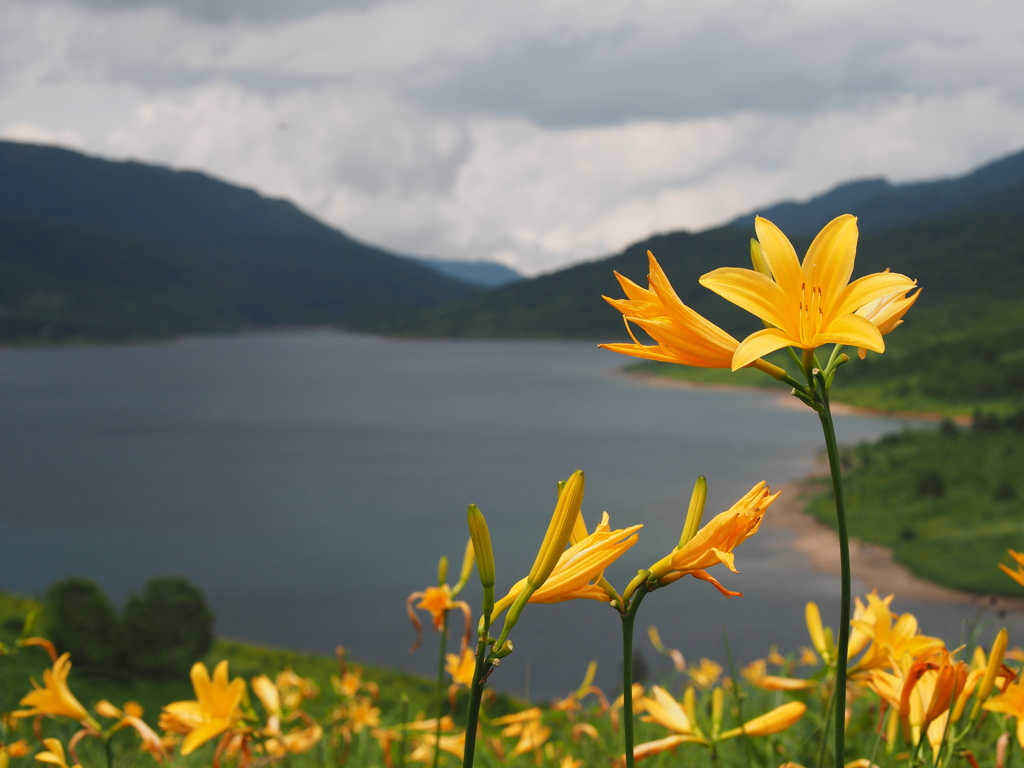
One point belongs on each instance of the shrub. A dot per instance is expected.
(82, 621)
(167, 628)
(931, 483)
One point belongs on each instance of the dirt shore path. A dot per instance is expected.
(872, 564)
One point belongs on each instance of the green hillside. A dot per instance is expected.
(947, 503)
(91, 248)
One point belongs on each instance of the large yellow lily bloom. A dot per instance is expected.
(814, 303)
(215, 709)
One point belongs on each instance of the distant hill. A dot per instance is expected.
(956, 236)
(882, 206)
(94, 248)
(486, 273)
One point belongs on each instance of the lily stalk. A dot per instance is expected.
(560, 528)
(820, 402)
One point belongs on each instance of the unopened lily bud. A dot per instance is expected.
(442, 570)
(695, 511)
(468, 560)
(30, 623)
(995, 662)
(690, 703)
(817, 632)
(655, 638)
(559, 529)
(776, 721)
(717, 710)
(758, 260)
(481, 540)
(588, 679)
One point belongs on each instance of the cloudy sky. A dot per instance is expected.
(532, 133)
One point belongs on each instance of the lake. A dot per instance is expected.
(309, 481)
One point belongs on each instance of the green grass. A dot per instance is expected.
(244, 659)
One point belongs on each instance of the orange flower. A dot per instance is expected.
(680, 334)
(436, 601)
(714, 543)
(1018, 573)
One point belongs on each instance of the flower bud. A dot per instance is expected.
(758, 260)
(480, 537)
(695, 511)
(559, 529)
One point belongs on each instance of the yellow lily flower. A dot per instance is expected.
(460, 667)
(54, 754)
(886, 313)
(810, 304)
(579, 568)
(54, 697)
(1010, 702)
(215, 709)
(681, 335)
(888, 639)
(714, 543)
(706, 673)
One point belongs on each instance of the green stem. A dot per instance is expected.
(476, 691)
(440, 688)
(628, 619)
(824, 728)
(403, 718)
(842, 649)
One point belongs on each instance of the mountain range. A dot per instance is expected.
(97, 249)
(956, 236)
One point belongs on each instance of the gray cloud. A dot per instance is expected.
(224, 11)
(537, 134)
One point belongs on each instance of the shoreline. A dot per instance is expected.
(871, 564)
(786, 401)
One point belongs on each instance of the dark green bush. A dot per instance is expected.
(931, 484)
(167, 628)
(82, 621)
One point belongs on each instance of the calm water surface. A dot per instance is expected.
(308, 482)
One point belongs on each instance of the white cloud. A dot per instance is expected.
(31, 133)
(537, 133)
